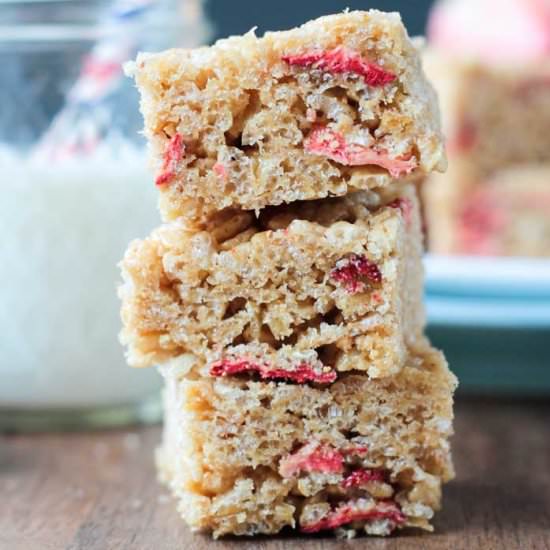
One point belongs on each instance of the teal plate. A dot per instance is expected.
(491, 316)
(487, 277)
(490, 361)
(472, 311)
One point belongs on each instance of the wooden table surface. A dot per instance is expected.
(98, 491)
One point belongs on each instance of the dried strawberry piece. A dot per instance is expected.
(313, 457)
(225, 367)
(175, 151)
(338, 61)
(350, 272)
(465, 138)
(316, 457)
(350, 512)
(361, 477)
(481, 222)
(406, 207)
(327, 143)
(376, 297)
(303, 373)
(220, 170)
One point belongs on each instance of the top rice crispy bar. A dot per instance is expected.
(339, 104)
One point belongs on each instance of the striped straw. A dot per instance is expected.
(77, 128)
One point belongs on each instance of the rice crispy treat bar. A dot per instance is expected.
(493, 116)
(337, 105)
(246, 456)
(507, 215)
(297, 293)
(496, 119)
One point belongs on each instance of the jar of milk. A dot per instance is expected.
(74, 190)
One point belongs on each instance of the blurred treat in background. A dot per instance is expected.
(75, 189)
(509, 214)
(490, 62)
(488, 217)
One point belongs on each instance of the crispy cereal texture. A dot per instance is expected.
(339, 104)
(244, 456)
(300, 292)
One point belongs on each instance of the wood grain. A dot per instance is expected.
(98, 491)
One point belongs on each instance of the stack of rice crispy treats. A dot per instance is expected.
(282, 295)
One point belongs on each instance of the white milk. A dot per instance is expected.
(63, 229)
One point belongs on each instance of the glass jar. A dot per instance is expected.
(74, 190)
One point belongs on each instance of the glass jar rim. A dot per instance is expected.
(72, 32)
(84, 24)
(51, 33)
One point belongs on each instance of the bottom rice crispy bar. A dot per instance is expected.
(246, 456)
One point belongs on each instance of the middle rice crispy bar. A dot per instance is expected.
(298, 293)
